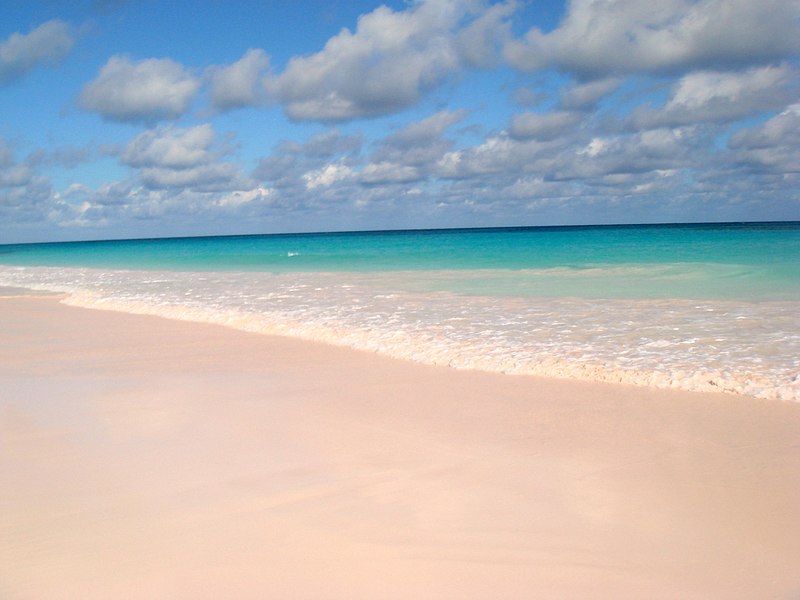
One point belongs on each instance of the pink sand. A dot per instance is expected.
(148, 458)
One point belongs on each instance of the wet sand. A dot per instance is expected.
(147, 458)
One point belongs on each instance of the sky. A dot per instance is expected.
(127, 119)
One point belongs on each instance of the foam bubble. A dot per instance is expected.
(748, 348)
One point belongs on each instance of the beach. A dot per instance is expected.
(418, 299)
(148, 457)
(696, 307)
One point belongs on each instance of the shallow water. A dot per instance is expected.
(695, 308)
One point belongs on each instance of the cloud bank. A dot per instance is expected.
(437, 113)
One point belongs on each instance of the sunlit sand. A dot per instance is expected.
(149, 458)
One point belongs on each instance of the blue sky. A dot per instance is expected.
(146, 119)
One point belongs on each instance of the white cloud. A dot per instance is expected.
(327, 176)
(12, 173)
(528, 186)
(543, 126)
(170, 147)
(15, 176)
(643, 152)
(782, 129)
(480, 43)
(579, 155)
(238, 198)
(330, 143)
(498, 153)
(25, 195)
(378, 173)
(47, 44)
(239, 84)
(705, 96)
(154, 210)
(384, 66)
(419, 144)
(772, 146)
(598, 38)
(140, 91)
(594, 148)
(207, 176)
(76, 188)
(430, 128)
(698, 90)
(186, 158)
(584, 96)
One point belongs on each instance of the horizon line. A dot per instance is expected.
(408, 230)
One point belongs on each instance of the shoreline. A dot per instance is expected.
(632, 345)
(154, 457)
(560, 368)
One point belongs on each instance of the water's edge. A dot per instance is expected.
(651, 343)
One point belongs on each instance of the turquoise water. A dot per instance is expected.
(697, 307)
(749, 260)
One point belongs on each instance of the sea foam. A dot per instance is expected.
(744, 347)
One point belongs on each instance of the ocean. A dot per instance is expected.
(706, 307)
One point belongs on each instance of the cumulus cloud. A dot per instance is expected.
(170, 147)
(280, 169)
(429, 128)
(25, 195)
(218, 176)
(330, 143)
(772, 146)
(47, 44)
(381, 173)
(155, 210)
(782, 129)
(705, 96)
(144, 91)
(327, 175)
(709, 128)
(239, 84)
(174, 157)
(543, 126)
(584, 96)
(391, 59)
(317, 163)
(600, 38)
(550, 164)
(239, 198)
(661, 149)
(21, 204)
(496, 154)
(419, 144)
(13, 174)
(480, 42)
(579, 156)
(124, 200)
(332, 167)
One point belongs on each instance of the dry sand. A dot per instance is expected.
(147, 458)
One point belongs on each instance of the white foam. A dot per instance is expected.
(748, 348)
